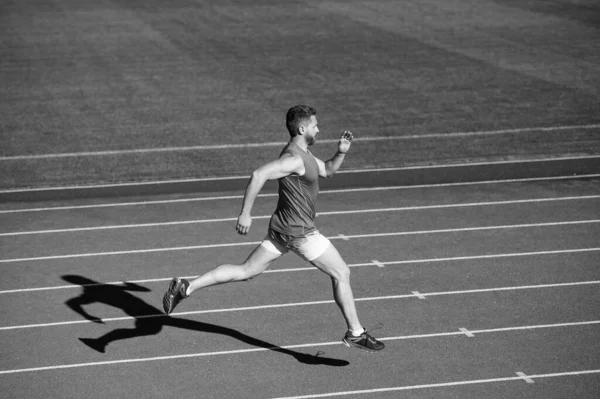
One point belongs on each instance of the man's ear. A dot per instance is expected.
(301, 129)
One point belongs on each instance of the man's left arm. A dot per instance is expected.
(328, 168)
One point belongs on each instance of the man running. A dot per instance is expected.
(292, 225)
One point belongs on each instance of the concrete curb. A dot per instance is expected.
(439, 174)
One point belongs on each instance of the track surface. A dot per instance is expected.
(485, 290)
(469, 285)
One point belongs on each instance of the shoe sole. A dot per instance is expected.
(174, 287)
(362, 348)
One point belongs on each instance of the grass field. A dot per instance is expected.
(122, 75)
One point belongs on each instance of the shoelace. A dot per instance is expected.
(374, 328)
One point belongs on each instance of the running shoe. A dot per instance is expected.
(175, 294)
(365, 342)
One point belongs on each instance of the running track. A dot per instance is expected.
(483, 290)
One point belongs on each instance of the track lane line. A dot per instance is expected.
(312, 303)
(306, 345)
(278, 143)
(327, 213)
(518, 377)
(344, 237)
(297, 269)
(238, 197)
(245, 177)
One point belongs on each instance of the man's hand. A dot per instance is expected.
(243, 223)
(345, 141)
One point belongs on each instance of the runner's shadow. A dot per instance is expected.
(150, 320)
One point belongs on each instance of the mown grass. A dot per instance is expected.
(93, 76)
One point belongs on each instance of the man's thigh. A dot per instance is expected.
(332, 263)
(261, 259)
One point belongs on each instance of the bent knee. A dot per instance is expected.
(341, 274)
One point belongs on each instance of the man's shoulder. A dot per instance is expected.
(291, 150)
(292, 159)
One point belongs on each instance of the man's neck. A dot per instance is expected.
(300, 142)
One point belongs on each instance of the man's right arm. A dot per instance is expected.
(284, 166)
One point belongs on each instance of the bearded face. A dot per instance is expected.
(311, 130)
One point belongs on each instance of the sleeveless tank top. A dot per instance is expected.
(295, 213)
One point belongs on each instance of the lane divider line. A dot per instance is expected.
(349, 190)
(526, 378)
(418, 295)
(466, 332)
(377, 170)
(319, 214)
(520, 376)
(340, 236)
(317, 344)
(290, 270)
(277, 143)
(312, 303)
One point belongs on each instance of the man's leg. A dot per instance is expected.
(258, 261)
(331, 262)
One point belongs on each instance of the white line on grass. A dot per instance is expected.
(341, 236)
(347, 212)
(324, 192)
(282, 143)
(421, 295)
(239, 351)
(520, 376)
(297, 269)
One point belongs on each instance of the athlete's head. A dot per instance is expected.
(297, 117)
(301, 120)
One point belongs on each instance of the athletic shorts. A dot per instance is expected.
(309, 247)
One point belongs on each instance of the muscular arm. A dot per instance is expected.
(332, 165)
(284, 166)
(328, 168)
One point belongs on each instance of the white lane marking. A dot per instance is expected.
(130, 184)
(349, 190)
(340, 236)
(466, 332)
(179, 181)
(376, 263)
(238, 351)
(442, 384)
(472, 257)
(125, 226)
(328, 213)
(312, 303)
(514, 226)
(297, 269)
(282, 143)
(524, 376)
(418, 295)
(461, 165)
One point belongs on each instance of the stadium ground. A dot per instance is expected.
(480, 289)
(467, 209)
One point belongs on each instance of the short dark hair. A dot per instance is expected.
(296, 116)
